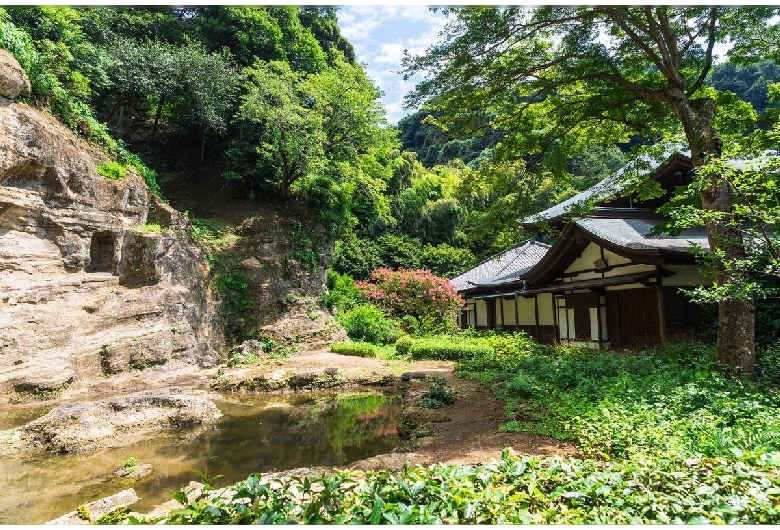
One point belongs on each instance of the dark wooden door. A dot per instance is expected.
(633, 318)
(491, 312)
(582, 323)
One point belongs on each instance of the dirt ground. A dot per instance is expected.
(472, 436)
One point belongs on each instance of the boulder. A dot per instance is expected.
(80, 427)
(92, 511)
(13, 80)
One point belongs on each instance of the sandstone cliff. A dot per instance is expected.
(85, 291)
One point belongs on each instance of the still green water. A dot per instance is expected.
(256, 434)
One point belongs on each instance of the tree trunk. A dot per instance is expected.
(121, 119)
(202, 147)
(736, 318)
(156, 121)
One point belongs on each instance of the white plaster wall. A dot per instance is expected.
(684, 275)
(594, 324)
(481, 311)
(546, 315)
(566, 332)
(526, 311)
(614, 259)
(509, 311)
(590, 254)
(625, 287)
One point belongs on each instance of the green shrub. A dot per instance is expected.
(445, 349)
(341, 294)
(367, 323)
(410, 324)
(112, 170)
(403, 344)
(241, 358)
(359, 349)
(438, 395)
(504, 352)
(277, 350)
(151, 227)
(148, 174)
(768, 364)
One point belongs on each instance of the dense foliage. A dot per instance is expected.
(415, 293)
(510, 490)
(273, 93)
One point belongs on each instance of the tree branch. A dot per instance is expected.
(708, 56)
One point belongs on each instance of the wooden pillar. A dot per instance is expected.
(598, 317)
(661, 313)
(517, 314)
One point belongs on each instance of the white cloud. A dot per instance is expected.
(380, 35)
(390, 53)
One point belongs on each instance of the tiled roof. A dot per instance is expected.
(612, 185)
(505, 266)
(632, 234)
(603, 190)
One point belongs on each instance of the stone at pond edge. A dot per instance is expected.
(97, 509)
(79, 427)
(389, 461)
(416, 422)
(13, 80)
(140, 470)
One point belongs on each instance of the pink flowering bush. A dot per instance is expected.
(415, 292)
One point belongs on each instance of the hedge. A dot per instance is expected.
(446, 350)
(359, 349)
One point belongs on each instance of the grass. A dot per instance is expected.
(112, 170)
(151, 227)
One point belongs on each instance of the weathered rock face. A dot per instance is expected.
(284, 260)
(84, 291)
(13, 80)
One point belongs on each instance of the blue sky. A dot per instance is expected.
(380, 34)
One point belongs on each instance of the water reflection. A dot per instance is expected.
(256, 434)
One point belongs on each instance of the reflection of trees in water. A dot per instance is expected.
(257, 434)
(297, 431)
(340, 428)
(358, 420)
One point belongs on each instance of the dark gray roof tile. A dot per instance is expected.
(633, 234)
(502, 267)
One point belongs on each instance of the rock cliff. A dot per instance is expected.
(86, 288)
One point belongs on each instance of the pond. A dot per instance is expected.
(258, 433)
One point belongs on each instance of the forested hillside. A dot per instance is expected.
(271, 101)
(269, 104)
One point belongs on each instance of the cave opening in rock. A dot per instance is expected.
(101, 252)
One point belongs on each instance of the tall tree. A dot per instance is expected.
(560, 78)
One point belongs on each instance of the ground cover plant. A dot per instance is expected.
(664, 437)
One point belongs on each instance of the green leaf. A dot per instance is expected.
(705, 490)
(376, 513)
